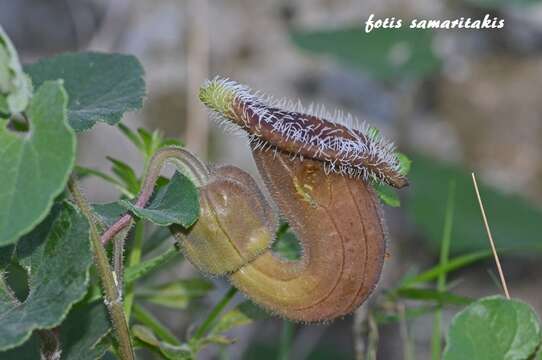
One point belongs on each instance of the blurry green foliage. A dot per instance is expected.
(514, 222)
(501, 4)
(384, 53)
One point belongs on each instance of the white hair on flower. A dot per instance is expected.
(345, 145)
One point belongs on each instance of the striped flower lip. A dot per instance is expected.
(345, 145)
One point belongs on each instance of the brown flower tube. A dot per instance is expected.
(338, 222)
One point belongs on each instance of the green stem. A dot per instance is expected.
(436, 342)
(113, 299)
(135, 258)
(146, 318)
(286, 337)
(206, 325)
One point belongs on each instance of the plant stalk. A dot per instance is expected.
(113, 299)
(285, 342)
(134, 259)
(436, 341)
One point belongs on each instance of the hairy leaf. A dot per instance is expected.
(493, 328)
(109, 213)
(57, 256)
(82, 331)
(175, 203)
(34, 166)
(102, 87)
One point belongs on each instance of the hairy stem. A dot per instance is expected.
(113, 299)
(189, 165)
(135, 258)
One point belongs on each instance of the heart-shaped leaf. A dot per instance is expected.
(493, 328)
(101, 87)
(34, 166)
(57, 256)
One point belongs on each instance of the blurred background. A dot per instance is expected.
(453, 101)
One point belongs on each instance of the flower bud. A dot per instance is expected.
(235, 224)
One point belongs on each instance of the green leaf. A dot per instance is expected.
(15, 86)
(405, 163)
(175, 203)
(451, 265)
(176, 294)
(144, 268)
(28, 351)
(109, 213)
(243, 314)
(171, 352)
(82, 172)
(35, 166)
(102, 87)
(493, 328)
(81, 332)
(387, 194)
(147, 319)
(126, 174)
(286, 243)
(156, 238)
(384, 53)
(57, 256)
(132, 136)
(514, 222)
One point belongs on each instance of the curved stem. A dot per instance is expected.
(185, 161)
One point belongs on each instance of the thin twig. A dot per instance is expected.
(491, 242)
(185, 161)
